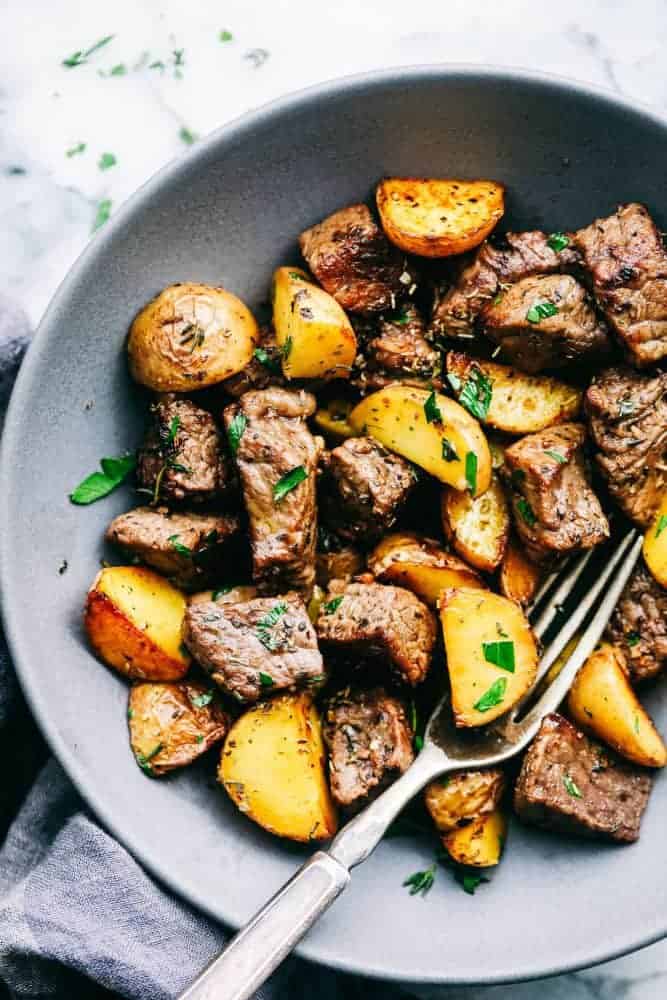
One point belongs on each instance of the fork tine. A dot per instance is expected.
(569, 578)
(542, 590)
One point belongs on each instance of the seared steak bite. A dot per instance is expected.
(499, 261)
(187, 547)
(364, 488)
(369, 740)
(264, 368)
(546, 321)
(569, 783)
(342, 564)
(627, 262)
(277, 458)
(354, 261)
(181, 459)
(639, 625)
(255, 648)
(376, 620)
(400, 347)
(555, 509)
(627, 412)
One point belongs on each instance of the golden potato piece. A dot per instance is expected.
(313, 333)
(438, 218)
(421, 565)
(655, 545)
(190, 336)
(477, 528)
(430, 430)
(225, 595)
(602, 701)
(273, 768)
(491, 653)
(332, 419)
(133, 618)
(171, 724)
(519, 576)
(455, 800)
(480, 844)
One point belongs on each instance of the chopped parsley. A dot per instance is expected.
(114, 472)
(662, 524)
(179, 547)
(220, 592)
(103, 214)
(331, 606)
(558, 242)
(557, 457)
(266, 359)
(144, 759)
(186, 136)
(476, 393)
(265, 680)
(398, 318)
(421, 882)
(540, 311)
(265, 624)
(493, 696)
(501, 654)
(106, 161)
(571, 788)
(471, 470)
(418, 743)
(237, 426)
(203, 699)
(225, 36)
(526, 512)
(120, 69)
(626, 407)
(449, 452)
(76, 150)
(80, 57)
(286, 349)
(632, 638)
(432, 410)
(288, 482)
(470, 882)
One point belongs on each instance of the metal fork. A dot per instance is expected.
(252, 954)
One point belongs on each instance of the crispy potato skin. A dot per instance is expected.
(168, 729)
(469, 619)
(421, 565)
(602, 701)
(437, 218)
(125, 642)
(463, 797)
(477, 528)
(519, 577)
(190, 336)
(273, 768)
(396, 416)
(480, 844)
(520, 403)
(655, 545)
(315, 335)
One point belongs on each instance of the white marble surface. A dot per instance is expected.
(48, 200)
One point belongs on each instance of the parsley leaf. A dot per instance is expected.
(476, 394)
(99, 484)
(76, 150)
(526, 511)
(106, 161)
(449, 452)
(500, 653)
(471, 470)
(186, 136)
(493, 696)
(203, 699)
(432, 410)
(179, 547)
(237, 426)
(144, 759)
(225, 36)
(80, 57)
(333, 605)
(662, 524)
(540, 311)
(558, 242)
(266, 359)
(632, 638)
(571, 788)
(103, 214)
(288, 482)
(267, 622)
(421, 882)
(220, 591)
(265, 679)
(557, 457)
(471, 882)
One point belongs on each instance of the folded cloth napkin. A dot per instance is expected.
(78, 916)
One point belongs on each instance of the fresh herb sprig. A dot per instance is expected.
(99, 484)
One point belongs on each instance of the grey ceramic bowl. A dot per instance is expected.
(228, 213)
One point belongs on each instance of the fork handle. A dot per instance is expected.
(259, 948)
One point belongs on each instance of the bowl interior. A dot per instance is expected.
(227, 214)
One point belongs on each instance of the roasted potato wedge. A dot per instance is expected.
(332, 419)
(313, 333)
(171, 724)
(225, 595)
(438, 218)
(478, 527)
(189, 337)
(480, 843)
(273, 768)
(655, 545)
(491, 653)
(519, 576)
(457, 799)
(430, 430)
(520, 403)
(133, 619)
(602, 701)
(421, 565)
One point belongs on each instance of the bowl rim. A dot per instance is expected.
(226, 133)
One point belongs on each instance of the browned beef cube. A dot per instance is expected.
(354, 261)
(570, 784)
(555, 509)
(255, 648)
(546, 321)
(375, 620)
(639, 625)
(400, 347)
(263, 370)
(369, 740)
(627, 413)
(189, 548)
(182, 459)
(277, 459)
(364, 488)
(627, 262)
(342, 564)
(498, 262)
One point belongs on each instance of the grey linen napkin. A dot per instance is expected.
(78, 916)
